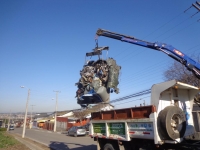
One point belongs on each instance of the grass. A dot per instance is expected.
(8, 142)
(3, 129)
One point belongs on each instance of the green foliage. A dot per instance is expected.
(3, 129)
(6, 140)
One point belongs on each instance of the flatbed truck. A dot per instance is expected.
(167, 123)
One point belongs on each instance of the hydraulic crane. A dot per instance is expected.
(171, 51)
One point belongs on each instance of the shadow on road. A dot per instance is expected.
(64, 146)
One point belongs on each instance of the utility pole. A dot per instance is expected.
(54, 129)
(9, 122)
(31, 116)
(25, 116)
(197, 6)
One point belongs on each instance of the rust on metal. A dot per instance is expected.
(126, 113)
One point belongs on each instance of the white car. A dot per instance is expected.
(77, 130)
(11, 127)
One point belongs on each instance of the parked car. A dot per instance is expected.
(11, 127)
(76, 131)
(87, 127)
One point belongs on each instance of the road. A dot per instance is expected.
(58, 140)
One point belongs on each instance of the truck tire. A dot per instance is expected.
(173, 122)
(108, 146)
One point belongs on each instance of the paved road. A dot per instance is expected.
(58, 140)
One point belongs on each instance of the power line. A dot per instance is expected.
(167, 30)
(195, 6)
(179, 31)
(143, 82)
(132, 100)
(149, 70)
(131, 96)
(172, 27)
(164, 24)
(161, 27)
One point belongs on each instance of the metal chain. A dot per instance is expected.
(96, 40)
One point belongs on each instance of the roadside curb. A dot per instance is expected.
(27, 144)
(52, 147)
(31, 145)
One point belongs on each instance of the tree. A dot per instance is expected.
(180, 73)
(5, 121)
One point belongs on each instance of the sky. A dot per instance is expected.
(43, 45)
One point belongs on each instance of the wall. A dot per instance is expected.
(196, 117)
(48, 125)
(78, 123)
(61, 124)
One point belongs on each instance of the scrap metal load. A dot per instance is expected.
(98, 79)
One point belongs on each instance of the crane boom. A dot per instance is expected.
(171, 51)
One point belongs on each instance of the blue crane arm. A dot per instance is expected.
(171, 51)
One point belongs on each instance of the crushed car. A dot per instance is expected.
(98, 79)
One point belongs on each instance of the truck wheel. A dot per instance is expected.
(108, 146)
(173, 122)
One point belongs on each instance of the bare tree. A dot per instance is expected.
(180, 73)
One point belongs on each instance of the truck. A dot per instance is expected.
(167, 123)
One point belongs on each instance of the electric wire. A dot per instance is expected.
(133, 85)
(131, 96)
(164, 24)
(172, 28)
(145, 71)
(139, 99)
(135, 75)
(145, 80)
(178, 31)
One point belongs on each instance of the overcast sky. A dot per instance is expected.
(43, 45)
